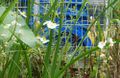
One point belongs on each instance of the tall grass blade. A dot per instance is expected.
(53, 68)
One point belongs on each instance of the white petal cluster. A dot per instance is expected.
(101, 44)
(42, 39)
(50, 24)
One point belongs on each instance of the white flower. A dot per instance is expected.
(22, 13)
(7, 26)
(43, 39)
(110, 40)
(101, 44)
(50, 24)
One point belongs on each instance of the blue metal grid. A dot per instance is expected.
(78, 29)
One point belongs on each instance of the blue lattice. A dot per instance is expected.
(77, 30)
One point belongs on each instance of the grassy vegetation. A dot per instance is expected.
(23, 52)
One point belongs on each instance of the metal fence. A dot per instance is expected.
(71, 10)
(76, 29)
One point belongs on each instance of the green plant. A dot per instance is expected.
(23, 55)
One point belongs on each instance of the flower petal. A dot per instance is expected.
(47, 22)
(50, 24)
(43, 40)
(101, 44)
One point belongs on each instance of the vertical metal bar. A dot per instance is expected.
(36, 10)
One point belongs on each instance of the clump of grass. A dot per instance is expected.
(23, 55)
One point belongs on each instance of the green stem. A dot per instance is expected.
(53, 68)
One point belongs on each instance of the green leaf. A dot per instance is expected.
(23, 32)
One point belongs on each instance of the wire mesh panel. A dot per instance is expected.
(75, 23)
(71, 10)
(23, 5)
(76, 29)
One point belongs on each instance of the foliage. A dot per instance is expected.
(24, 54)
